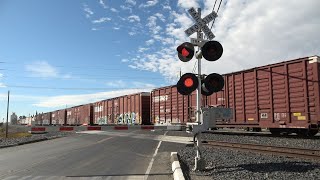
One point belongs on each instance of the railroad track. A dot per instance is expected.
(286, 151)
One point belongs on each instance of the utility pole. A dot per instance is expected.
(7, 125)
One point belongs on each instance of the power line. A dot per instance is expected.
(217, 11)
(104, 77)
(71, 88)
(66, 66)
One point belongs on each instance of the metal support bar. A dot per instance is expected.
(199, 162)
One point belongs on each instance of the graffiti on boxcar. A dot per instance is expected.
(277, 116)
(128, 118)
(102, 120)
(156, 119)
(160, 98)
(120, 118)
(221, 99)
(133, 118)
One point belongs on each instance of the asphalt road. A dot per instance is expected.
(90, 156)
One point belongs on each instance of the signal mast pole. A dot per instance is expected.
(199, 162)
(198, 55)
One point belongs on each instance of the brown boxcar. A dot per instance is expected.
(43, 118)
(128, 109)
(170, 107)
(46, 118)
(282, 95)
(38, 119)
(79, 115)
(59, 117)
(134, 109)
(100, 112)
(277, 96)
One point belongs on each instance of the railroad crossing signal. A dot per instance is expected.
(210, 50)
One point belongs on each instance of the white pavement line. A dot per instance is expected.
(11, 177)
(176, 168)
(151, 161)
(166, 133)
(25, 177)
(103, 140)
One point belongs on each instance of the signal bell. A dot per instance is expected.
(212, 50)
(187, 83)
(212, 83)
(185, 51)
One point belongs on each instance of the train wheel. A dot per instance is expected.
(275, 131)
(307, 132)
(256, 129)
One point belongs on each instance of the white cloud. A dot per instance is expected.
(189, 3)
(101, 20)
(2, 85)
(160, 16)
(116, 28)
(141, 49)
(253, 33)
(103, 4)
(132, 2)
(124, 60)
(149, 42)
(166, 7)
(132, 33)
(41, 69)
(87, 11)
(116, 84)
(149, 3)
(137, 84)
(153, 27)
(18, 97)
(113, 10)
(126, 8)
(71, 100)
(134, 18)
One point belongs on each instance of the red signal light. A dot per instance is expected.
(187, 83)
(185, 51)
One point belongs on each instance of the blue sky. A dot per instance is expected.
(63, 53)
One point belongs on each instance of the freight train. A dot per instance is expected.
(283, 97)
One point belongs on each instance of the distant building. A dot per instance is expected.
(26, 120)
(14, 118)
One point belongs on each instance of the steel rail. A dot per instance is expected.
(286, 151)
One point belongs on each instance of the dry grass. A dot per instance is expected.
(15, 135)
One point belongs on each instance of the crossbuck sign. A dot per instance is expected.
(201, 24)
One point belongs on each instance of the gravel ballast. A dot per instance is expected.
(265, 140)
(33, 138)
(233, 164)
